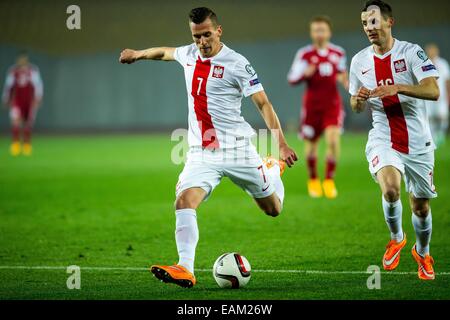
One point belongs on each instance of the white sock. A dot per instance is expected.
(274, 174)
(393, 217)
(423, 227)
(186, 236)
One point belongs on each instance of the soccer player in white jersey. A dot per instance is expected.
(394, 78)
(438, 110)
(219, 138)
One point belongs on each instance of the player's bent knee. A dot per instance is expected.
(392, 194)
(273, 210)
(421, 209)
(184, 202)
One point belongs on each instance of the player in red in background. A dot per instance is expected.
(321, 65)
(22, 93)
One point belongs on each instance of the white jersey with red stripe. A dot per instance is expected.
(398, 121)
(215, 87)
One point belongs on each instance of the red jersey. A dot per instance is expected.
(322, 91)
(22, 86)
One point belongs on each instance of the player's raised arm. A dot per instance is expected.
(158, 53)
(261, 100)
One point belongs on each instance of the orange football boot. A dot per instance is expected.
(174, 274)
(270, 161)
(425, 270)
(391, 257)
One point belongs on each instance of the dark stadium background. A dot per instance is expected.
(87, 89)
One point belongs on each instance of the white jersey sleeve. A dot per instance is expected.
(246, 77)
(420, 64)
(355, 83)
(298, 67)
(181, 53)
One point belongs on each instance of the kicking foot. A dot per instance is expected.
(270, 161)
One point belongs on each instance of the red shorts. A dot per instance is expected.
(313, 121)
(23, 111)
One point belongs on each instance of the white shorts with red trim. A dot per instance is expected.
(205, 168)
(416, 169)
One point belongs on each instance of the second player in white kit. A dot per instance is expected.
(401, 134)
(217, 78)
(394, 78)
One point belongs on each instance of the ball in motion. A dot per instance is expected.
(231, 270)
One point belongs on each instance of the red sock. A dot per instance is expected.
(27, 134)
(15, 133)
(330, 169)
(312, 167)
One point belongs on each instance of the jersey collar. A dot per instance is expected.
(218, 55)
(387, 53)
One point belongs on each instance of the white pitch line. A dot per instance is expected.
(210, 270)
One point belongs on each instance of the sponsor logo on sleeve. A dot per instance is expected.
(254, 82)
(400, 65)
(218, 72)
(428, 68)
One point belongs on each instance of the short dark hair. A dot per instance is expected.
(199, 15)
(321, 18)
(386, 9)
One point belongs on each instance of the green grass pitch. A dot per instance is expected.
(107, 201)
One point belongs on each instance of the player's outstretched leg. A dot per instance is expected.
(186, 236)
(422, 222)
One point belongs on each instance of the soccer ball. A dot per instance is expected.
(231, 270)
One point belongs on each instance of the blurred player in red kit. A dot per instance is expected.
(321, 64)
(22, 93)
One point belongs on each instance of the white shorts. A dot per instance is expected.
(416, 169)
(243, 165)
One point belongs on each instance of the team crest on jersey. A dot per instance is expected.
(218, 72)
(400, 65)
